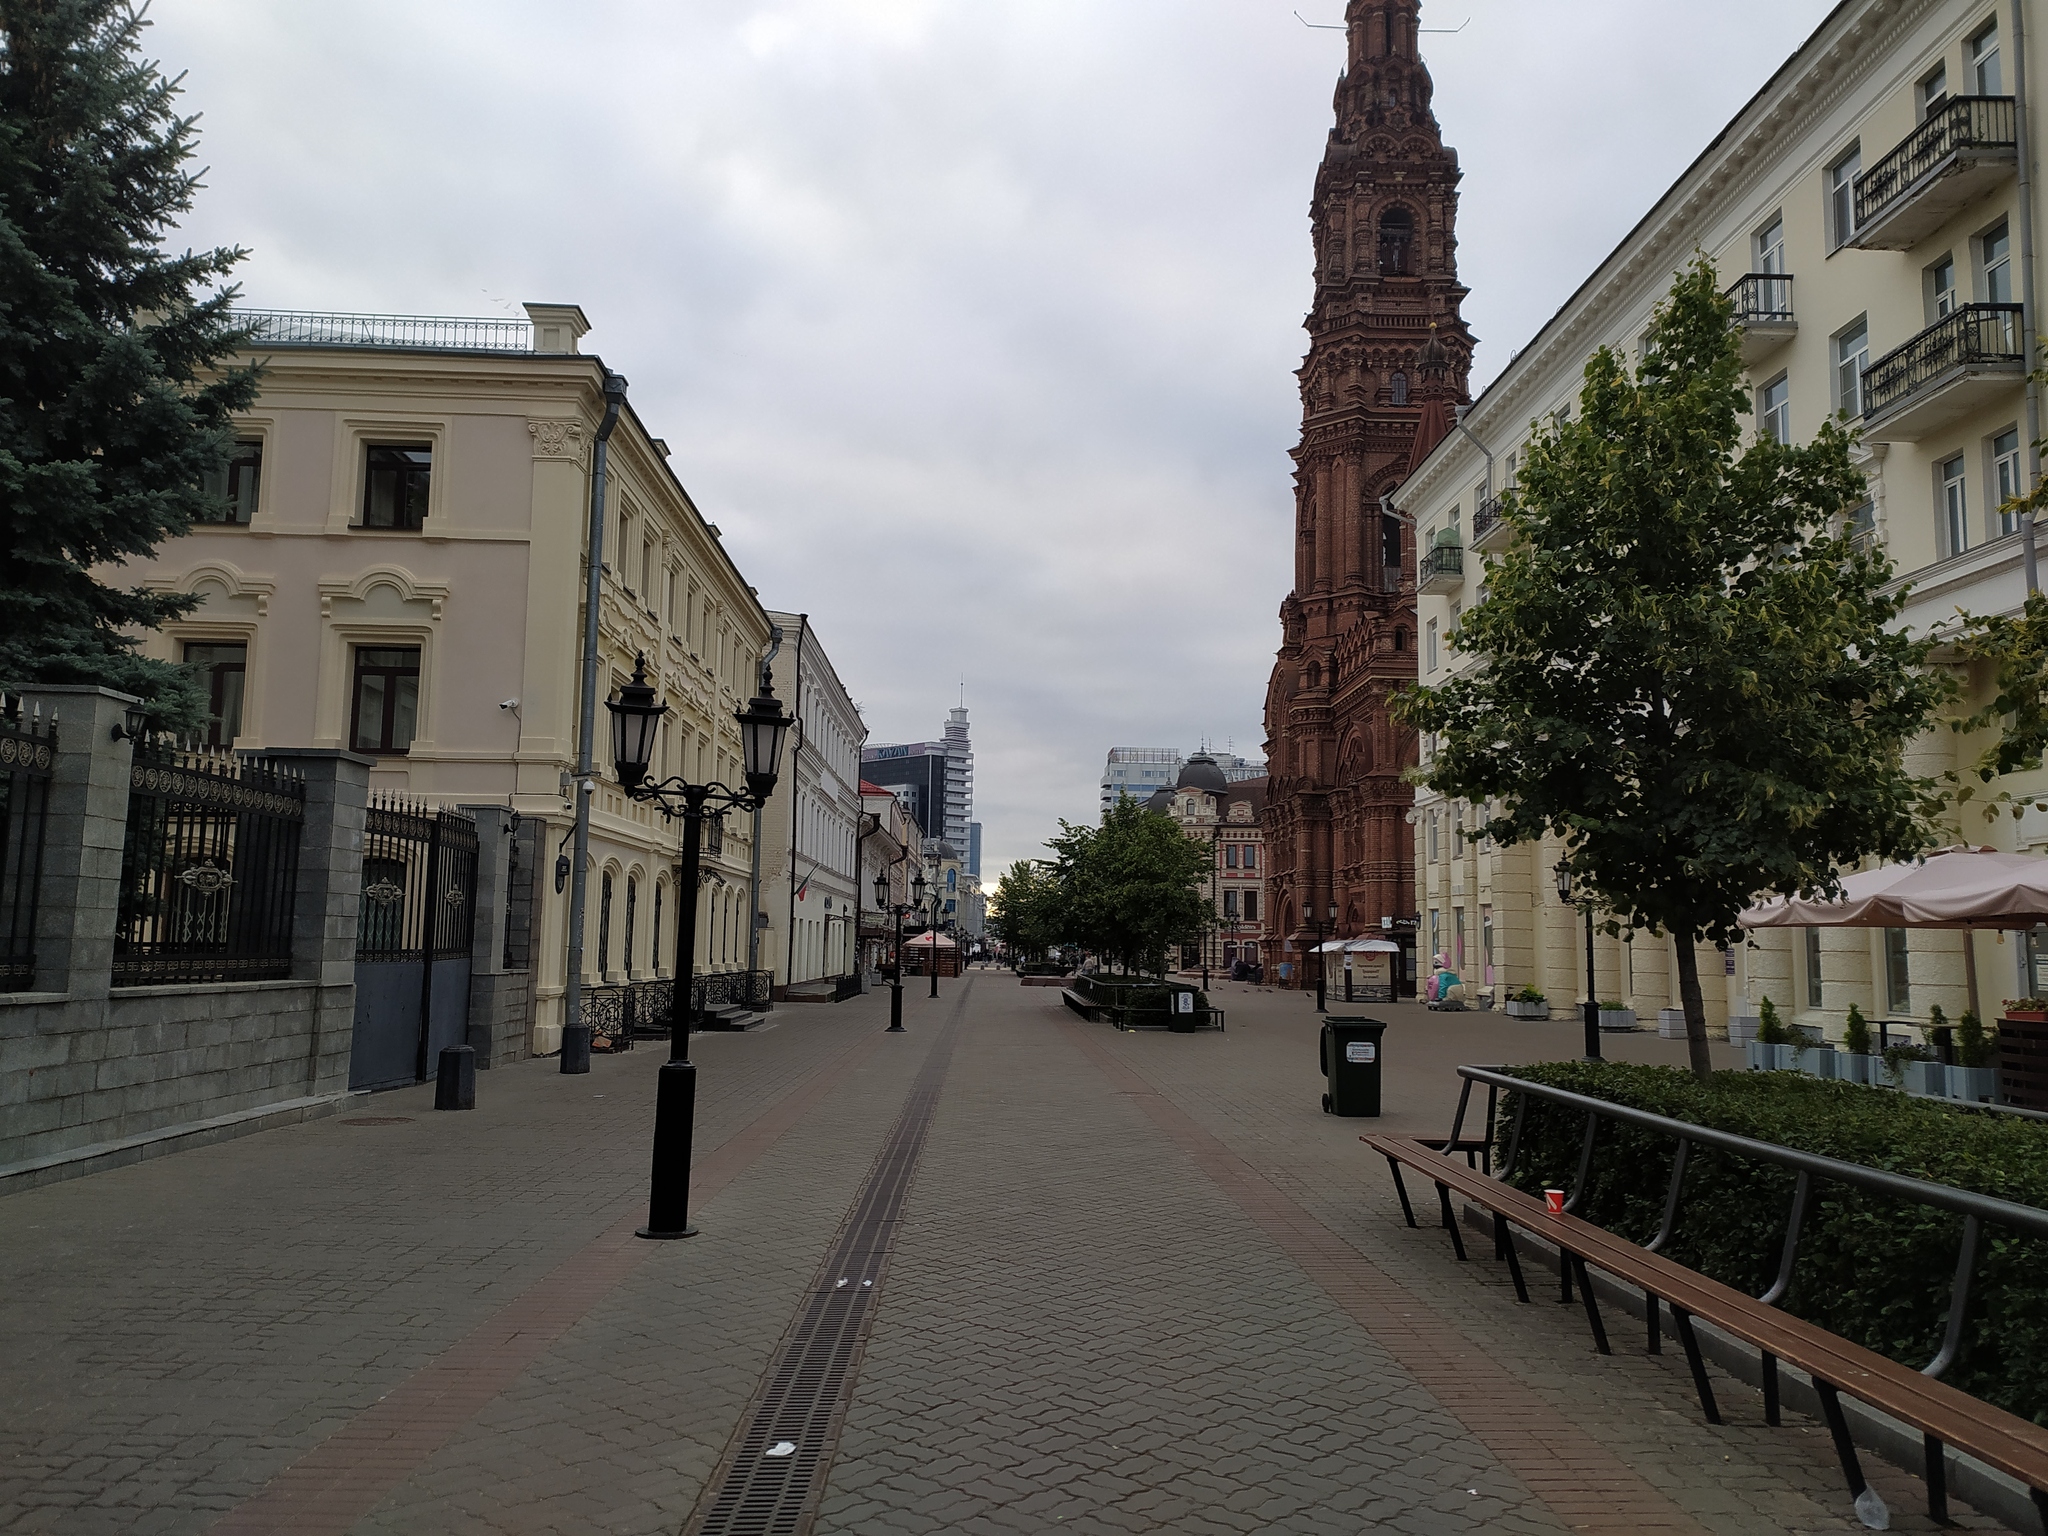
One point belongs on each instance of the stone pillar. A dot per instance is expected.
(329, 901)
(86, 826)
(498, 995)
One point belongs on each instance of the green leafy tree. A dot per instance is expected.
(2015, 646)
(1131, 888)
(1687, 672)
(1026, 910)
(113, 404)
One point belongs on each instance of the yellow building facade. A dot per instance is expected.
(1868, 214)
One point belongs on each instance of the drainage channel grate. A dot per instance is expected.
(772, 1476)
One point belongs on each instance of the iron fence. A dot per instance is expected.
(28, 750)
(644, 1010)
(736, 989)
(209, 867)
(1972, 334)
(308, 328)
(1485, 515)
(419, 882)
(1961, 122)
(1762, 298)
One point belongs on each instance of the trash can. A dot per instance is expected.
(1351, 1066)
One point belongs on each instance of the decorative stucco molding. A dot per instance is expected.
(229, 577)
(410, 588)
(553, 439)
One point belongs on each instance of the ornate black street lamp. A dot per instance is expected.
(636, 720)
(931, 918)
(1592, 1007)
(1323, 960)
(898, 909)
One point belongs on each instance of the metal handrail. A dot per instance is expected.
(1484, 516)
(1762, 297)
(1975, 1209)
(1972, 333)
(1961, 122)
(437, 333)
(1443, 560)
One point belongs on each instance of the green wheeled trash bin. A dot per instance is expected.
(1351, 1065)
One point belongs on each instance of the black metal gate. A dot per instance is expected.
(413, 942)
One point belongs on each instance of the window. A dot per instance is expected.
(604, 926)
(1451, 634)
(1862, 529)
(1984, 62)
(387, 698)
(1434, 851)
(632, 902)
(647, 573)
(1400, 388)
(1429, 646)
(1400, 640)
(1251, 906)
(1251, 857)
(1852, 356)
(1898, 979)
(1390, 549)
(1397, 238)
(395, 485)
(1458, 833)
(2005, 477)
(1774, 410)
(232, 488)
(1813, 991)
(1770, 247)
(1842, 197)
(1933, 90)
(654, 937)
(1996, 250)
(1954, 503)
(669, 613)
(1941, 289)
(1230, 904)
(1230, 856)
(225, 666)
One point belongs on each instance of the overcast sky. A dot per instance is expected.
(972, 323)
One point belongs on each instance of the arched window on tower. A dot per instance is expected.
(1315, 675)
(1400, 388)
(1397, 242)
(1400, 639)
(1390, 554)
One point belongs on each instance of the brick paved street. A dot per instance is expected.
(1138, 1283)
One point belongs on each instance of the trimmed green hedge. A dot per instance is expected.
(1870, 1269)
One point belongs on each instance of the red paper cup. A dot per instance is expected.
(1554, 1199)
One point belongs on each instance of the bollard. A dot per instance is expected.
(455, 1088)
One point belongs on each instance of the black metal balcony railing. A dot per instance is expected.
(1484, 517)
(1972, 334)
(1762, 298)
(1443, 560)
(1961, 122)
(305, 328)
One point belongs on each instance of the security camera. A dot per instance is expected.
(508, 704)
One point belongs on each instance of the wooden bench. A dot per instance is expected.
(1942, 1414)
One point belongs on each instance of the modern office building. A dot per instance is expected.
(935, 779)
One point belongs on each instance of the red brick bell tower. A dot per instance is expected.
(1387, 361)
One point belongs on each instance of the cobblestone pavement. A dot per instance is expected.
(1140, 1283)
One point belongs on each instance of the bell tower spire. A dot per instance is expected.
(1388, 359)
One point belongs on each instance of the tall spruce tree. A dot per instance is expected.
(114, 406)
(1687, 671)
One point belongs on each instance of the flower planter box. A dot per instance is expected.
(1769, 1058)
(1617, 1021)
(1867, 1070)
(1927, 1077)
(1973, 1085)
(1816, 1061)
(1527, 1010)
(2027, 1016)
(1670, 1023)
(1742, 1028)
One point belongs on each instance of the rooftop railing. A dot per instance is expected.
(425, 333)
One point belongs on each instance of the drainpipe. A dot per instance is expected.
(766, 671)
(575, 1036)
(2029, 561)
(796, 752)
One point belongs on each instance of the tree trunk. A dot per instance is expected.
(1696, 1051)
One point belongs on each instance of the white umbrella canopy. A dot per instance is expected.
(1373, 947)
(928, 939)
(1960, 887)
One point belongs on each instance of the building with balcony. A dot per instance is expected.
(1880, 165)
(397, 567)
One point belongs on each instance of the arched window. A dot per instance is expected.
(1315, 675)
(1400, 388)
(1390, 552)
(1397, 240)
(1400, 638)
(654, 938)
(632, 902)
(604, 926)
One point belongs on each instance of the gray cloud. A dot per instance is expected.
(971, 322)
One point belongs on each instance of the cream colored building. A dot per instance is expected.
(399, 570)
(1867, 212)
(810, 867)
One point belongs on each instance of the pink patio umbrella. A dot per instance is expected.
(1960, 887)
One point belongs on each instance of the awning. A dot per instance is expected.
(1373, 947)
(927, 939)
(1960, 887)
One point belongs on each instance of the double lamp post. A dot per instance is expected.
(901, 909)
(1592, 1013)
(636, 720)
